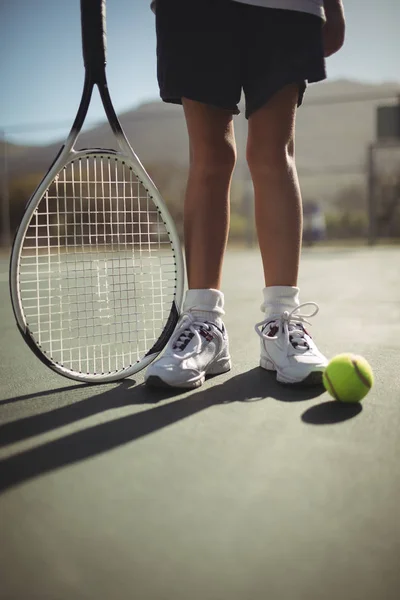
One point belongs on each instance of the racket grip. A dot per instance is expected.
(94, 43)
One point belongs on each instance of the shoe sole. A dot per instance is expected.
(313, 378)
(157, 382)
(217, 369)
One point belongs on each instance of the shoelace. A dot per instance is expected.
(289, 321)
(186, 331)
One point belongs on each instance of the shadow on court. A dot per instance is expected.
(330, 412)
(252, 386)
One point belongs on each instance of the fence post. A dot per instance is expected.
(371, 196)
(5, 197)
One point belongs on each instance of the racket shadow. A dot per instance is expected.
(254, 385)
(76, 407)
(100, 438)
(67, 388)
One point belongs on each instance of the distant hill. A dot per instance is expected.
(13, 151)
(332, 136)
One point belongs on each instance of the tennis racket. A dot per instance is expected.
(96, 271)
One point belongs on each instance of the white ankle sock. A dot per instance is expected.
(279, 298)
(207, 305)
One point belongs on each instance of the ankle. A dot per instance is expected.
(205, 304)
(279, 298)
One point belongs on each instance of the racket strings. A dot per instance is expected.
(97, 271)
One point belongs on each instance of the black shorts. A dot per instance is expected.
(211, 50)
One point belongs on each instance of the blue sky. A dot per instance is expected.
(41, 69)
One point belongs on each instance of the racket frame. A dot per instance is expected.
(94, 59)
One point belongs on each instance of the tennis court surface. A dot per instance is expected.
(243, 489)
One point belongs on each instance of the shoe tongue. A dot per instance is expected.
(183, 341)
(203, 316)
(186, 339)
(297, 326)
(298, 340)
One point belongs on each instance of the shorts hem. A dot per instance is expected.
(177, 99)
(269, 94)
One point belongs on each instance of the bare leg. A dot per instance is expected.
(206, 213)
(270, 155)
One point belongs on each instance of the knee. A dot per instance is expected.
(213, 159)
(270, 156)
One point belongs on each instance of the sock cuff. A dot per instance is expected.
(279, 297)
(205, 300)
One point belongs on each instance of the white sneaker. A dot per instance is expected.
(288, 349)
(196, 349)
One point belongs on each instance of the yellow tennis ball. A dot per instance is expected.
(348, 377)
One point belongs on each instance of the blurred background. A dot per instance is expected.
(348, 131)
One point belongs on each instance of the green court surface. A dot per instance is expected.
(241, 490)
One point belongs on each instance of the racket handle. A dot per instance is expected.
(94, 43)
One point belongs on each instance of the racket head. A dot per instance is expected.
(96, 271)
